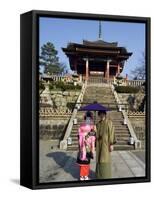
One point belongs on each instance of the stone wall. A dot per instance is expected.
(59, 100)
(53, 129)
(134, 101)
(53, 126)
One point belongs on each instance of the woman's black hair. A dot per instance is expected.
(88, 114)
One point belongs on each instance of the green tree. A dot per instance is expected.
(49, 59)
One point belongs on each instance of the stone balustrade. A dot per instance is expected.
(50, 112)
(56, 77)
(136, 114)
(135, 83)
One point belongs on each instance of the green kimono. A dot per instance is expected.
(104, 138)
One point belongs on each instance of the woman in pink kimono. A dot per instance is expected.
(86, 135)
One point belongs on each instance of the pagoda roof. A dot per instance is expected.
(98, 49)
(98, 52)
(100, 43)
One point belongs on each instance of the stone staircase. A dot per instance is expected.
(121, 131)
(103, 94)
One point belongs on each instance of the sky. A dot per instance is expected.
(62, 31)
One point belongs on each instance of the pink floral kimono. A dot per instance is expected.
(86, 145)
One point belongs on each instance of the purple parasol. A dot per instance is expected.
(94, 107)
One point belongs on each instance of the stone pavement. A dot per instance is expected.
(57, 165)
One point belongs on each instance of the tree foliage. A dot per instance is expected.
(49, 59)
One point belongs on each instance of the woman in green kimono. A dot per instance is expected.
(105, 139)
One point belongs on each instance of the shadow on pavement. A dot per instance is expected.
(68, 163)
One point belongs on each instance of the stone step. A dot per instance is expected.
(101, 96)
(116, 130)
(115, 121)
(121, 137)
(90, 101)
(81, 120)
(117, 147)
(101, 100)
(74, 143)
(122, 142)
(118, 139)
(74, 136)
(117, 125)
(122, 134)
(98, 95)
(117, 133)
(121, 131)
(120, 127)
(98, 92)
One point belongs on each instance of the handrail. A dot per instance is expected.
(63, 143)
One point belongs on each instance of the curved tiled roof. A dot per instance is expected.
(100, 43)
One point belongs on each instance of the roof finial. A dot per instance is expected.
(100, 31)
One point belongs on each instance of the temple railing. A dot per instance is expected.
(135, 83)
(94, 80)
(50, 112)
(56, 77)
(137, 114)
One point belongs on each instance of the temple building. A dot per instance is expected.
(93, 58)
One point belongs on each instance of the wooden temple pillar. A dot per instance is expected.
(118, 69)
(107, 70)
(87, 69)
